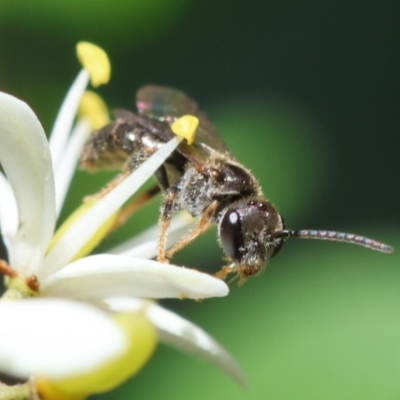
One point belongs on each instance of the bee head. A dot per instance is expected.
(248, 233)
(252, 231)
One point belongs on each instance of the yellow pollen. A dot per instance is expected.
(93, 108)
(94, 240)
(186, 127)
(141, 339)
(95, 60)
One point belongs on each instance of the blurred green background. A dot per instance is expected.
(306, 94)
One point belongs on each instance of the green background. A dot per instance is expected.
(306, 94)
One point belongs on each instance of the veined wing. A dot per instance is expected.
(168, 104)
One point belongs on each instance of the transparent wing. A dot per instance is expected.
(167, 104)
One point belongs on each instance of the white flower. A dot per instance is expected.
(76, 318)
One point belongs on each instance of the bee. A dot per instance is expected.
(203, 178)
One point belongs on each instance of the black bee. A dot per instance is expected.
(203, 178)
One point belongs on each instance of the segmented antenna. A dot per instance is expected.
(340, 237)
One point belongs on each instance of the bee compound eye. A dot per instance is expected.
(231, 234)
(277, 248)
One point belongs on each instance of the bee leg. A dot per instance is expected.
(205, 223)
(110, 186)
(242, 280)
(135, 205)
(131, 165)
(168, 209)
(232, 269)
(225, 271)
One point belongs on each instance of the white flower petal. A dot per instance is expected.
(55, 338)
(105, 275)
(25, 157)
(66, 115)
(8, 209)
(178, 332)
(145, 245)
(80, 233)
(67, 165)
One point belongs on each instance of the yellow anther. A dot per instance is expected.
(101, 233)
(141, 342)
(95, 61)
(93, 107)
(186, 127)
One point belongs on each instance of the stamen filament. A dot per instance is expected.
(65, 117)
(85, 228)
(69, 160)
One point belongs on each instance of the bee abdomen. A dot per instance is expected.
(111, 146)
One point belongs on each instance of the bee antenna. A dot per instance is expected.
(336, 237)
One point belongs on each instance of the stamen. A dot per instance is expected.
(67, 165)
(65, 118)
(93, 108)
(32, 283)
(6, 270)
(145, 245)
(94, 240)
(95, 61)
(186, 127)
(85, 227)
